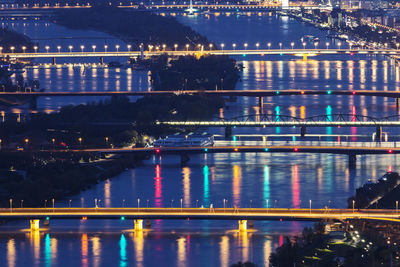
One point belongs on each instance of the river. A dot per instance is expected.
(285, 180)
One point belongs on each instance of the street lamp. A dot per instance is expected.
(59, 49)
(269, 46)
(129, 48)
(187, 47)
(222, 47)
(12, 48)
(257, 45)
(23, 49)
(80, 141)
(82, 47)
(280, 46)
(327, 45)
(339, 44)
(353, 204)
(292, 45)
(310, 205)
(210, 46)
(304, 45)
(175, 46)
(105, 48)
(117, 47)
(234, 46)
(47, 48)
(94, 48)
(1, 49)
(245, 46)
(70, 48)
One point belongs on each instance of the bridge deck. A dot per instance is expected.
(198, 213)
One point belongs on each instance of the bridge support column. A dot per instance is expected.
(242, 225)
(148, 224)
(53, 61)
(305, 57)
(260, 101)
(303, 131)
(34, 225)
(184, 159)
(228, 132)
(138, 225)
(378, 135)
(352, 160)
(101, 61)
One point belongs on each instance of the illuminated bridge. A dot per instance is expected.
(270, 120)
(352, 149)
(230, 93)
(306, 52)
(241, 214)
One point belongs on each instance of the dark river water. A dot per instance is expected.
(285, 180)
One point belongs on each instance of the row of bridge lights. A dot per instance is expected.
(187, 46)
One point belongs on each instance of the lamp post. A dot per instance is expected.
(292, 45)
(129, 48)
(70, 48)
(234, 46)
(210, 46)
(82, 48)
(80, 141)
(11, 204)
(339, 44)
(315, 45)
(94, 48)
(353, 204)
(12, 48)
(23, 49)
(280, 46)
(327, 45)
(310, 205)
(117, 47)
(269, 46)
(47, 48)
(257, 45)
(187, 47)
(304, 45)
(1, 49)
(245, 46)
(175, 46)
(181, 204)
(59, 49)
(105, 48)
(222, 47)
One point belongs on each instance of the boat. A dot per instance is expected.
(185, 141)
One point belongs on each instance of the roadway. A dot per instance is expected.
(346, 148)
(235, 52)
(230, 93)
(200, 213)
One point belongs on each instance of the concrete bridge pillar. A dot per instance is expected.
(101, 61)
(260, 101)
(53, 61)
(242, 225)
(184, 159)
(305, 57)
(34, 225)
(148, 224)
(228, 132)
(303, 131)
(378, 135)
(138, 224)
(352, 160)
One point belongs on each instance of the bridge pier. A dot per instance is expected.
(303, 131)
(184, 159)
(138, 224)
(378, 135)
(46, 222)
(228, 132)
(260, 101)
(53, 61)
(352, 160)
(101, 61)
(242, 225)
(148, 224)
(305, 57)
(34, 225)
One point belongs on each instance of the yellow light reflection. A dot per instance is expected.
(237, 180)
(186, 186)
(11, 253)
(96, 250)
(181, 251)
(107, 193)
(224, 253)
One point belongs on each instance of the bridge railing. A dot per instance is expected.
(309, 143)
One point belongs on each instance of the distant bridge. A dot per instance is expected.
(230, 93)
(305, 52)
(352, 149)
(241, 214)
